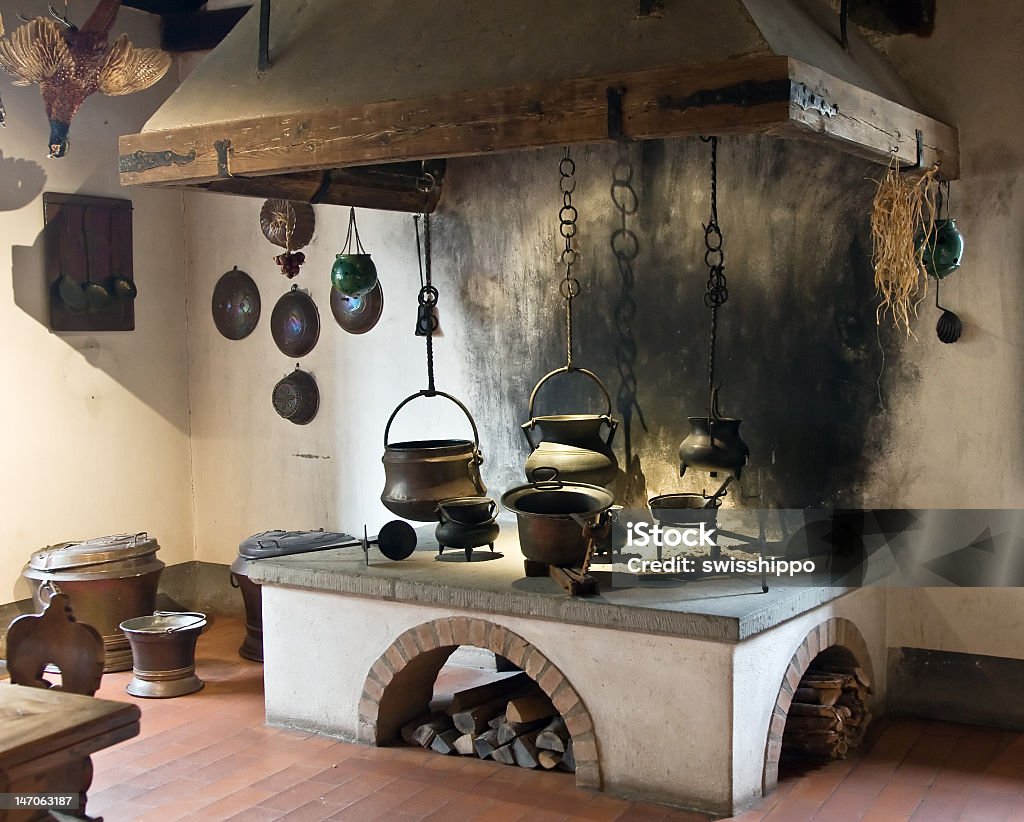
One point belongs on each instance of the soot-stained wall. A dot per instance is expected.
(799, 357)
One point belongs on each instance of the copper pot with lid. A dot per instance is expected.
(109, 580)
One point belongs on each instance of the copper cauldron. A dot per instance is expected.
(552, 515)
(419, 474)
(573, 443)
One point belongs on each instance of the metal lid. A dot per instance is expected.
(283, 543)
(115, 548)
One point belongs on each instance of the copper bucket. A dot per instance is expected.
(164, 652)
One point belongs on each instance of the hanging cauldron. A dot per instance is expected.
(552, 515)
(419, 474)
(714, 444)
(573, 443)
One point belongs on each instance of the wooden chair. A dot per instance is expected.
(55, 638)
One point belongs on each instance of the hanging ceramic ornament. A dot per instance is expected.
(353, 273)
(289, 225)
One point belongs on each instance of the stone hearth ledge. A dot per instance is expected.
(728, 610)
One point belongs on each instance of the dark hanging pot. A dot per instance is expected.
(573, 444)
(296, 397)
(714, 444)
(419, 474)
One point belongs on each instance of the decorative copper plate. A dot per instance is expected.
(236, 304)
(287, 224)
(295, 323)
(357, 315)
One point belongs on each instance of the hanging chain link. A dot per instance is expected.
(717, 292)
(426, 320)
(567, 218)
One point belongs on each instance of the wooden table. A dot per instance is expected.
(46, 738)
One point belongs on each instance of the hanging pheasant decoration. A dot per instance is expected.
(70, 63)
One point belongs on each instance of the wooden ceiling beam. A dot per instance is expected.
(775, 95)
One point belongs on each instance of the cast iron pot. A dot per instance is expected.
(419, 474)
(466, 523)
(684, 509)
(550, 513)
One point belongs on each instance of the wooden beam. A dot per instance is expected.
(198, 31)
(387, 187)
(740, 96)
(869, 126)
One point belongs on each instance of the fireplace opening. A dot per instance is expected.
(822, 711)
(829, 714)
(431, 689)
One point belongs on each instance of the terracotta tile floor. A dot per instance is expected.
(208, 756)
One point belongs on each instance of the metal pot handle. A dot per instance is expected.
(447, 514)
(173, 628)
(551, 482)
(51, 588)
(425, 393)
(565, 369)
(233, 580)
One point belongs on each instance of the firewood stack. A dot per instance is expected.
(829, 714)
(510, 721)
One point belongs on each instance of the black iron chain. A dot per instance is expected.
(567, 219)
(426, 319)
(717, 292)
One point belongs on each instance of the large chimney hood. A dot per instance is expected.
(356, 91)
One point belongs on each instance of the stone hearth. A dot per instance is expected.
(678, 696)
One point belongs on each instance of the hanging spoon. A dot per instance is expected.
(70, 291)
(120, 286)
(96, 295)
(949, 327)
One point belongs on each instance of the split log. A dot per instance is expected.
(478, 695)
(554, 736)
(817, 696)
(803, 709)
(530, 708)
(425, 733)
(444, 742)
(813, 680)
(466, 745)
(813, 724)
(409, 728)
(549, 759)
(568, 762)
(497, 722)
(857, 673)
(510, 730)
(485, 744)
(474, 720)
(525, 750)
(504, 755)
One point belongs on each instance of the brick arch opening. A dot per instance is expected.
(400, 684)
(836, 639)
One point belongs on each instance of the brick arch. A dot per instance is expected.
(400, 683)
(836, 634)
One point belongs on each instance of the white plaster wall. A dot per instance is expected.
(986, 621)
(254, 470)
(959, 438)
(759, 665)
(95, 426)
(664, 734)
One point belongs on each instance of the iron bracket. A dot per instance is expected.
(616, 130)
(263, 58)
(145, 160)
(919, 162)
(750, 93)
(222, 147)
